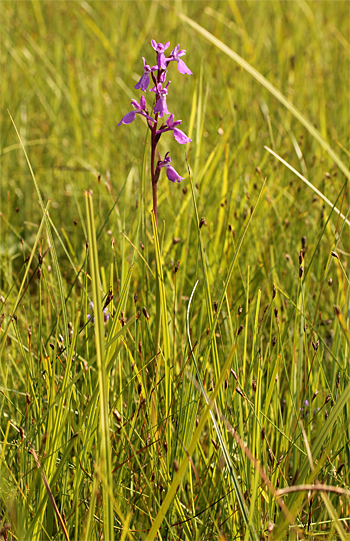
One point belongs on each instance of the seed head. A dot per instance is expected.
(338, 380)
(315, 345)
(274, 291)
(234, 374)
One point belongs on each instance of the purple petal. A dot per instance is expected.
(175, 50)
(143, 103)
(154, 44)
(170, 121)
(181, 137)
(161, 107)
(172, 175)
(143, 83)
(162, 76)
(161, 61)
(128, 118)
(165, 162)
(136, 104)
(181, 66)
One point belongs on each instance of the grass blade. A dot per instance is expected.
(104, 443)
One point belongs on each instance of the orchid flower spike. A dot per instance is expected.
(179, 135)
(140, 109)
(181, 66)
(172, 175)
(160, 48)
(144, 81)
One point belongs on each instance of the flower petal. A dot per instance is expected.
(143, 83)
(161, 108)
(181, 137)
(143, 103)
(172, 175)
(136, 104)
(181, 66)
(128, 118)
(170, 121)
(161, 61)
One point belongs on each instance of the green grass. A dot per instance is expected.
(185, 415)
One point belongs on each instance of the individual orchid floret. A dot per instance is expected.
(179, 135)
(160, 48)
(172, 175)
(144, 81)
(140, 109)
(181, 66)
(161, 106)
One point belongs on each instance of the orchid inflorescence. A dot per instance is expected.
(158, 74)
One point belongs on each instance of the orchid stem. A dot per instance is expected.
(153, 169)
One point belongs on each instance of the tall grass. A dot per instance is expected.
(189, 381)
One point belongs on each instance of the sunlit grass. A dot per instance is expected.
(218, 390)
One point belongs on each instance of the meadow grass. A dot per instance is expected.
(215, 401)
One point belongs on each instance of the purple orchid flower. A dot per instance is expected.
(91, 317)
(140, 109)
(181, 66)
(179, 135)
(172, 175)
(160, 48)
(144, 81)
(161, 106)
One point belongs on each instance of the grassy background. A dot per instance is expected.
(68, 74)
